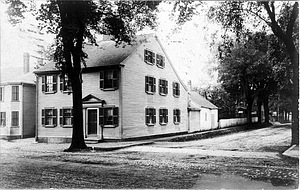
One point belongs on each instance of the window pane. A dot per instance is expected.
(15, 118)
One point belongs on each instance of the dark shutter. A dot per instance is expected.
(154, 115)
(54, 83)
(116, 116)
(101, 79)
(166, 87)
(163, 61)
(43, 83)
(115, 79)
(178, 116)
(174, 115)
(43, 117)
(147, 119)
(178, 89)
(154, 85)
(160, 115)
(101, 116)
(54, 116)
(146, 83)
(145, 56)
(153, 57)
(61, 116)
(166, 115)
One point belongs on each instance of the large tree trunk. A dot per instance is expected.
(72, 38)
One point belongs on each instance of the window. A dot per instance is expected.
(66, 116)
(65, 84)
(49, 117)
(109, 116)
(176, 89)
(15, 93)
(163, 87)
(15, 118)
(176, 116)
(2, 118)
(1, 93)
(150, 116)
(150, 84)
(163, 116)
(109, 80)
(149, 57)
(160, 61)
(49, 83)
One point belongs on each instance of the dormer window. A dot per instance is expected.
(109, 80)
(160, 61)
(149, 57)
(49, 83)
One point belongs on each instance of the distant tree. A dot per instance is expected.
(282, 17)
(75, 22)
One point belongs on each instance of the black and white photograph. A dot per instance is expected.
(138, 94)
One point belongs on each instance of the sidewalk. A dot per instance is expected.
(293, 151)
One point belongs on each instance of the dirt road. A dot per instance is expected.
(25, 164)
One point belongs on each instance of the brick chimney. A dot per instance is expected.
(26, 57)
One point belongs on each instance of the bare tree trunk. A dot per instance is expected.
(259, 104)
(266, 108)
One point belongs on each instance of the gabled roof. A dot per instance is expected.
(92, 99)
(105, 54)
(16, 76)
(199, 100)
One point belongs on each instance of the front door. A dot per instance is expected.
(92, 122)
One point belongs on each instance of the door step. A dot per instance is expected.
(92, 140)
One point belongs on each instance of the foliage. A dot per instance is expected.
(77, 22)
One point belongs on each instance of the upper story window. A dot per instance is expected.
(65, 84)
(109, 80)
(49, 117)
(49, 83)
(163, 87)
(176, 116)
(149, 57)
(1, 93)
(150, 84)
(150, 116)
(15, 118)
(176, 89)
(15, 93)
(160, 61)
(163, 116)
(66, 116)
(2, 118)
(109, 116)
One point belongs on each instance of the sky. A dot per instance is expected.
(189, 48)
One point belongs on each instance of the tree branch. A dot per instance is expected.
(292, 20)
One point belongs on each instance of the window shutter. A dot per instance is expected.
(154, 115)
(43, 116)
(54, 83)
(167, 116)
(145, 55)
(101, 116)
(178, 89)
(163, 61)
(166, 87)
(179, 116)
(160, 116)
(54, 117)
(174, 116)
(153, 57)
(43, 83)
(154, 84)
(115, 79)
(101, 79)
(61, 116)
(147, 115)
(146, 83)
(116, 116)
